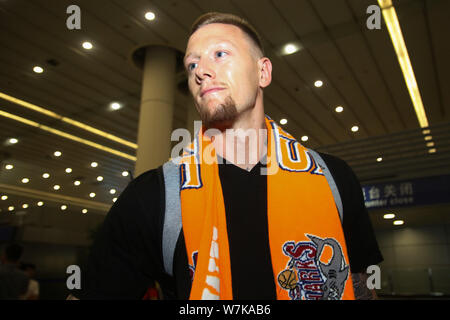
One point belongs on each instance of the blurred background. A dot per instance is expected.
(364, 80)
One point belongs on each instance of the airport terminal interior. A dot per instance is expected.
(367, 81)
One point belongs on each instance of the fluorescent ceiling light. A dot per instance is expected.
(67, 135)
(395, 32)
(389, 216)
(67, 120)
(398, 222)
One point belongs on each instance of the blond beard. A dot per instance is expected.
(222, 116)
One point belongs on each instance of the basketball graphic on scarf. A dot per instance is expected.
(287, 279)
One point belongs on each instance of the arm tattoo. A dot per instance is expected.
(360, 287)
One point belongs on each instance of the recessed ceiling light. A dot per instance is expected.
(339, 109)
(290, 48)
(430, 144)
(389, 216)
(112, 191)
(94, 164)
(10, 208)
(68, 170)
(99, 178)
(355, 128)
(283, 121)
(115, 106)
(114, 199)
(38, 69)
(92, 194)
(46, 175)
(63, 207)
(150, 16)
(77, 182)
(305, 138)
(25, 180)
(426, 131)
(379, 159)
(5, 197)
(25, 205)
(57, 153)
(84, 211)
(40, 204)
(87, 45)
(428, 138)
(125, 173)
(398, 222)
(13, 140)
(318, 83)
(432, 150)
(9, 166)
(56, 187)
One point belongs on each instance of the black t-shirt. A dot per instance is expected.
(126, 256)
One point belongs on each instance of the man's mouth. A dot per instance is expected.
(210, 90)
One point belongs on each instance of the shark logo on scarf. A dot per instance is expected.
(307, 277)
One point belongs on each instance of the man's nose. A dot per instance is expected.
(204, 70)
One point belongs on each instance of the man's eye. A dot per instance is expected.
(191, 66)
(220, 54)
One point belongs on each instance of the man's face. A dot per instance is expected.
(222, 71)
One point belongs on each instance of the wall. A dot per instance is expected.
(409, 255)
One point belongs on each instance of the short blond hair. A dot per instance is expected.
(228, 18)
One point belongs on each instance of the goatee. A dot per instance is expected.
(221, 117)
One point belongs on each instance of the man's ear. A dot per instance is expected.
(265, 72)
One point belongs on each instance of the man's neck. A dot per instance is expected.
(245, 142)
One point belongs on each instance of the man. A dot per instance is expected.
(263, 225)
(13, 282)
(33, 286)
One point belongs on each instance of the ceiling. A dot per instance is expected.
(358, 67)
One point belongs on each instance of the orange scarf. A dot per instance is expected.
(307, 244)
